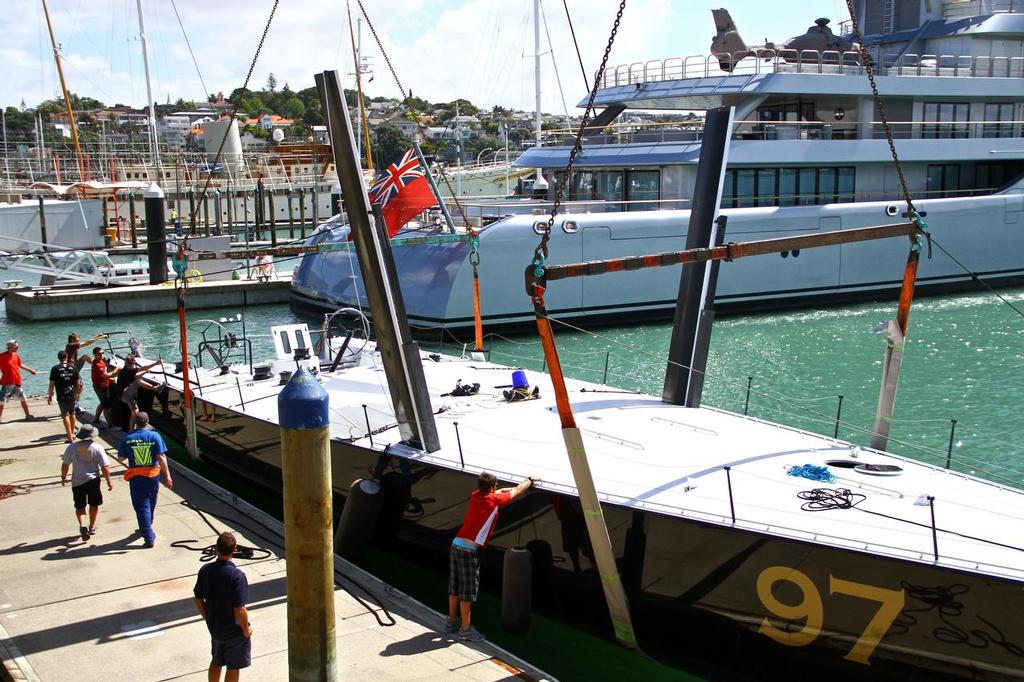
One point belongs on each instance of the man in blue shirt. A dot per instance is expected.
(143, 452)
(221, 592)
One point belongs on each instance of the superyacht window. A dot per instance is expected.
(640, 187)
(945, 120)
(943, 180)
(998, 120)
(787, 186)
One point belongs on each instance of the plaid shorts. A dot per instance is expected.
(11, 392)
(463, 573)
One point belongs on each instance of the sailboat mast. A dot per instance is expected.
(64, 90)
(151, 122)
(540, 183)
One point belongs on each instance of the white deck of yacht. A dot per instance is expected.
(648, 455)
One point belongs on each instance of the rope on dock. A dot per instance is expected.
(12, 490)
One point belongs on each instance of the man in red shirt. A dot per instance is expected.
(463, 557)
(102, 381)
(10, 377)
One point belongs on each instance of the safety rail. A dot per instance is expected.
(831, 62)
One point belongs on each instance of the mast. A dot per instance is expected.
(151, 123)
(64, 90)
(540, 183)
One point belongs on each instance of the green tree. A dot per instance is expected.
(272, 82)
(293, 108)
(389, 144)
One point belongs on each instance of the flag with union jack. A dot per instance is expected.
(402, 192)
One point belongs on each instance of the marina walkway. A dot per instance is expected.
(107, 608)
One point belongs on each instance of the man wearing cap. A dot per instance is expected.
(87, 462)
(10, 377)
(144, 453)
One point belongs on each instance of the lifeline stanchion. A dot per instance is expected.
(839, 412)
(935, 535)
(728, 481)
(949, 450)
(458, 440)
(369, 431)
(607, 357)
(746, 404)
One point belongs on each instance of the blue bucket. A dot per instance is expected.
(519, 379)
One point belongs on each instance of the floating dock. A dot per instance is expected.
(109, 608)
(59, 303)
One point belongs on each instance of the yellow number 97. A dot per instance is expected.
(809, 609)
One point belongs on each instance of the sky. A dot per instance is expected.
(479, 50)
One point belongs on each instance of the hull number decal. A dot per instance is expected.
(811, 609)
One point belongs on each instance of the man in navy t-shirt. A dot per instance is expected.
(143, 452)
(221, 592)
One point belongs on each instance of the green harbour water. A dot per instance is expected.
(964, 360)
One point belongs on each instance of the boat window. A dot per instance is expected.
(807, 191)
(767, 186)
(787, 187)
(746, 188)
(643, 190)
(943, 180)
(998, 120)
(286, 345)
(845, 184)
(945, 119)
(299, 343)
(582, 186)
(826, 186)
(608, 187)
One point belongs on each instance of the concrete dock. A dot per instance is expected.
(53, 303)
(107, 608)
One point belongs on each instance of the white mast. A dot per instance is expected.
(359, 69)
(151, 123)
(540, 183)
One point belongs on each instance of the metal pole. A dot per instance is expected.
(540, 183)
(728, 481)
(291, 214)
(151, 126)
(693, 281)
(231, 210)
(458, 440)
(67, 100)
(302, 213)
(191, 443)
(607, 357)
(746, 405)
(218, 220)
(132, 215)
(316, 206)
(839, 412)
(273, 217)
(42, 223)
(7, 168)
(156, 233)
(949, 450)
(935, 533)
(369, 431)
(308, 528)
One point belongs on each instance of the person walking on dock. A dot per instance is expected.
(87, 462)
(10, 377)
(144, 453)
(72, 348)
(66, 385)
(102, 384)
(221, 593)
(463, 556)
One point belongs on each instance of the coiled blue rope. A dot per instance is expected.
(813, 472)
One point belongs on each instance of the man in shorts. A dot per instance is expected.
(87, 462)
(10, 377)
(65, 384)
(102, 384)
(464, 558)
(74, 344)
(221, 592)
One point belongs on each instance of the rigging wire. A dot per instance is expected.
(576, 44)
(554, 64)
(184, 34)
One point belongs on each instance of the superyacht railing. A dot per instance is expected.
(830, 62)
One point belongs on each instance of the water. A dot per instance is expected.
(964, 360)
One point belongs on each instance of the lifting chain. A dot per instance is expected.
(540, 254)
(474, 249)
(869, 69)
